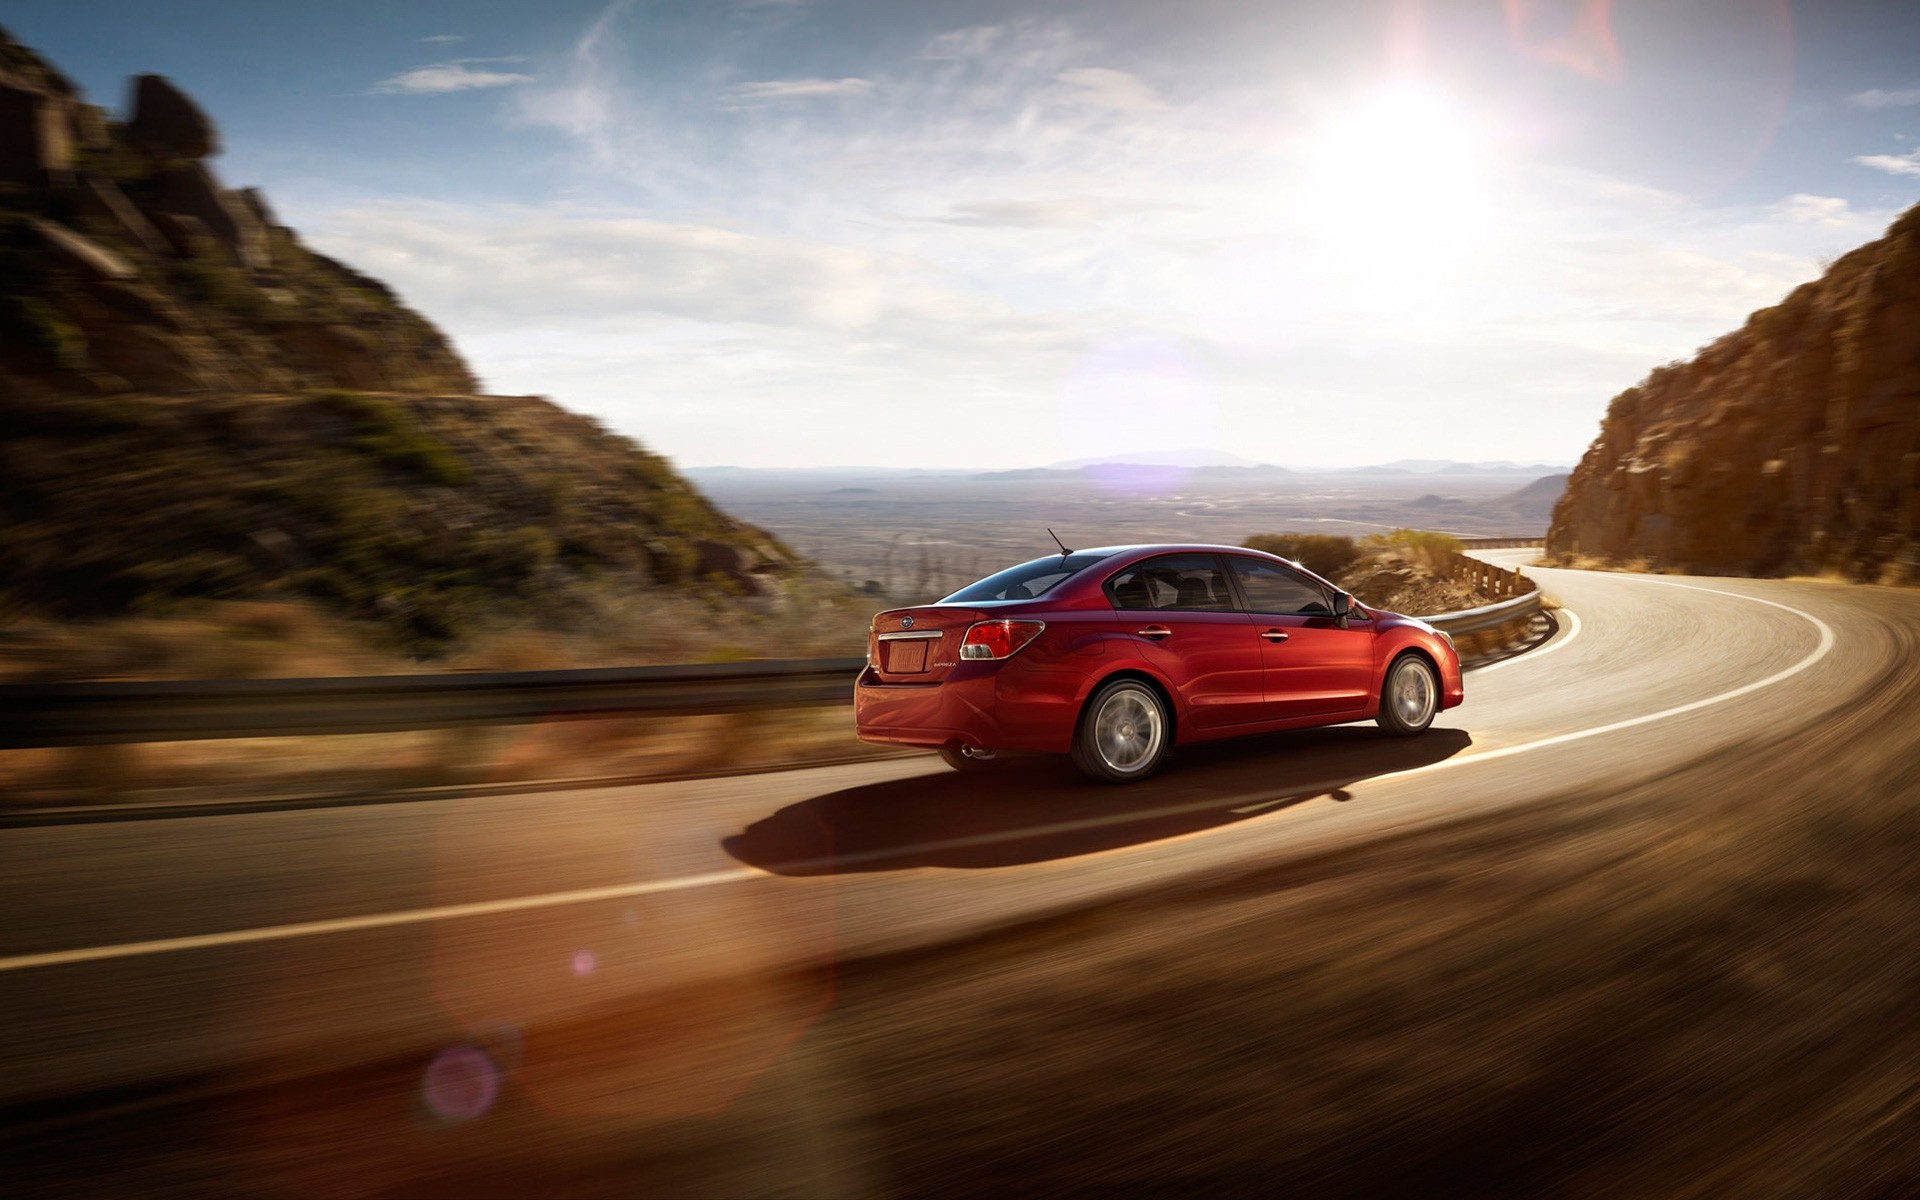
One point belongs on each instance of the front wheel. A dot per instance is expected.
(1410, 697)
(1123, 733)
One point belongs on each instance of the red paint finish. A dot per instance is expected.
(1204, 624)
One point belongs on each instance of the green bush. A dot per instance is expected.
(1434, 551)
(387, 432)
(32, 320)
(211, 275)
(1324, 554)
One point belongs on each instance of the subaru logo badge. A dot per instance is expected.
(906, 622)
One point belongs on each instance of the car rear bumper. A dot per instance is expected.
(985, 705)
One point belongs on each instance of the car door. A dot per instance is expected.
(1312, 666)
(1180, 608)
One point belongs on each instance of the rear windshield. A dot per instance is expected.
(1027, 580)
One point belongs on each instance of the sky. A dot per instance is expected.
(888, 233)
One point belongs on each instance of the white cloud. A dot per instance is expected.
(1104, 87)
(444, 38)
(1820, 210)
(771, 91)
(957, 44)
(1892, 164)
(581, 103)
(441, 78)
(1878, 98)
(754, 288)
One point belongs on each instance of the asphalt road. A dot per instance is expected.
(289, 942)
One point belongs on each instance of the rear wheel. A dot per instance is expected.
(979, 760)
(1123, 733)
(1410, 697)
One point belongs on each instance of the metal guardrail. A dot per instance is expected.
(38, 715)
(1503, 619)
(1491, 616)
(92, 714)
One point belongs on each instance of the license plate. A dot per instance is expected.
(906, 658)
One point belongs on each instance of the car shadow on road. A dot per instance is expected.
(1034, 810)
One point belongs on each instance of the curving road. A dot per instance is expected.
(281, 943)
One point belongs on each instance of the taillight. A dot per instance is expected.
(998, 639)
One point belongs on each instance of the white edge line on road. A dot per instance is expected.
(1573, 631)
(482, 908)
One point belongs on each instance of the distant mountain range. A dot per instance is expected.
(1445, 466)
(1192, 464)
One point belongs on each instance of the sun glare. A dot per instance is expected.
(1393, 184)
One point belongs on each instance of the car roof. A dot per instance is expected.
(1176, 548)
(1148, 549)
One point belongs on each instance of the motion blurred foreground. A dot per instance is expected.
(1699, 984)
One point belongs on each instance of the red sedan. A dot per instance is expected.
(1116, 655)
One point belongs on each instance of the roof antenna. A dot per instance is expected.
(1056, 541)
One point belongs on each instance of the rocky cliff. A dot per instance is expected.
(1791, 445)
(126, 266)
(196, 407)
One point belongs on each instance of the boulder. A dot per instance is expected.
(157, 359)
(87, 124)
(36, 137)
(143, 305)
(77, 250)
(167, 123)
(184, 235)
(256, 203)
(103, 201)
(190, 191)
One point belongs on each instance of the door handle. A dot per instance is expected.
(1155, 632)
(1275, 635)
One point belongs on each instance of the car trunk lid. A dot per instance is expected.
(919, 645)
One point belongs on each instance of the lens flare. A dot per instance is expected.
(460, 1084)
(1577, 35)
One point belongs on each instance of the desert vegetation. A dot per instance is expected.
(1403, 570)
(427, 523)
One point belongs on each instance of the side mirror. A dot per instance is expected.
(1342, 608)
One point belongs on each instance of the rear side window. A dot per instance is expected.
(1027, 580)
(1177, 582)
(1272, 588)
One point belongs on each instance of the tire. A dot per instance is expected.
(971, 764)
(1409, 697)
(1124, 733)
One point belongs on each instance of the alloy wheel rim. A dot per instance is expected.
(1128, 731)
(1413, 694)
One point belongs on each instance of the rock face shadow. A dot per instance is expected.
(1035, 810)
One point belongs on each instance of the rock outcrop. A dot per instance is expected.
(167, 123)
(196, 406)
(1791, 445)
(127, 266)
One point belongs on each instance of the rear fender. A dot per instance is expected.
(1134, 667)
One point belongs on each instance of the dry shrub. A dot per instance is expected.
(236, 640)
(1326, 555)
(1434, 551)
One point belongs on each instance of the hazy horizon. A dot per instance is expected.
(791, 233)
